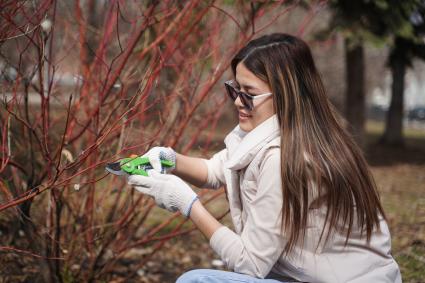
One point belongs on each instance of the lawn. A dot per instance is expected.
(399, 174)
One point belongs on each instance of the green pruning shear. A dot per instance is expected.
(134, 165)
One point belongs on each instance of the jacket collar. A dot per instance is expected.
(243, 146)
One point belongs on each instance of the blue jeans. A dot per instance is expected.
(216, 276)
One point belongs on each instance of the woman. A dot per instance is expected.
(302, 200)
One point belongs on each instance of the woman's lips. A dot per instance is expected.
(243, 116)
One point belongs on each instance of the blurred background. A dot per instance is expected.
(84, 83)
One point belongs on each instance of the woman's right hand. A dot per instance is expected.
(158, 153)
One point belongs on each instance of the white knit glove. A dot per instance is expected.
(158, 153)
(169, 191)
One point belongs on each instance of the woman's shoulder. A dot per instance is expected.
(274, 143)
(271, 149)
(268, 156)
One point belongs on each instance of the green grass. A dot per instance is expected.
(412, 264)
(400, 176)
(377, 128)
(414, 137)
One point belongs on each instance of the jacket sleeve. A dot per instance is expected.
(261, 243)
(215, 167)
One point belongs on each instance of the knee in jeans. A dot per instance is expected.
(192, 276)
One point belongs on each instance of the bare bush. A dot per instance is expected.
(85, 83)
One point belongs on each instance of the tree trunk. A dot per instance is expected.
(393, 134)
(355, 91)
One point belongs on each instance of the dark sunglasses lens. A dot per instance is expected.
(231, 92)
(246, 101)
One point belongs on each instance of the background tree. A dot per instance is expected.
(407, 45)
(376, 22)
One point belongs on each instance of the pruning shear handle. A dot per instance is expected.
(134, 166)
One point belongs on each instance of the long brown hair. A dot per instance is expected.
(314, 145)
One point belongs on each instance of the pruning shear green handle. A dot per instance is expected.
(134, 166)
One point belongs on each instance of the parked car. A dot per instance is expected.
(417, 113)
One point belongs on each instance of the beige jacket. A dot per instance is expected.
(249, 166)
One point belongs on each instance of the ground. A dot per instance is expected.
(400, 176)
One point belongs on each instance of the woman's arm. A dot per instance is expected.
(195, 171)
(191, 169)
(205, 222)
(257, 249)
(203, 173)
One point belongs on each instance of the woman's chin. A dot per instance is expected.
(246, 127)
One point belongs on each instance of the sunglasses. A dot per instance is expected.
(246, 99)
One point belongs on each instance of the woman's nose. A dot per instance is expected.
(238, 102)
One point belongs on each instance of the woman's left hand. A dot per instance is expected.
(169, 191)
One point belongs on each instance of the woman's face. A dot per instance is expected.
(263, 107)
